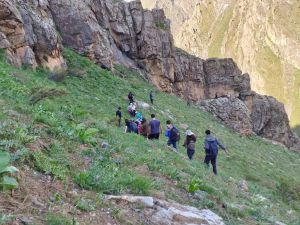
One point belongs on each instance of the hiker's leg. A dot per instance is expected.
(214, 164)
(174, 144)
(190, 153)
(207, 160)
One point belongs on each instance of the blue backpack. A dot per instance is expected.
(133, 127)
(213, 147)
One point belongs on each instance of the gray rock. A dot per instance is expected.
(104, 145)
(159, 212)
(200, 195)
(243, 186)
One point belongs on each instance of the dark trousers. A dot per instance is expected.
(151, 100)
(190, 153)
(119, 121)
(173, 143)
(153, 136)
(213, 160)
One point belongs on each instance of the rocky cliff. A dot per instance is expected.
(261, 36)
(115, 32)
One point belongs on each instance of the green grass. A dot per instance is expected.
(78, 122)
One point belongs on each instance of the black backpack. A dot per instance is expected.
(175, 134)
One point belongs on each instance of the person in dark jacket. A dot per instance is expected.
(119, 116)
(151, 96)
(172, 133)
(211, 150)
(154, 128)
(189, 143)
(145, 128)
(130, 97)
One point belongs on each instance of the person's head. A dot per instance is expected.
(188, 133)
(126, 121)
(152, 116)
(144, 120)
(207, 132)
(169, 122)
(119, 108)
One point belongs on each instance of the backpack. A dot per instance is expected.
(175, 135)
(191, 145)
(213, 147)
(133, 127)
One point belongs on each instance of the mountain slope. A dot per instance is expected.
(53, 142)
(261, 36)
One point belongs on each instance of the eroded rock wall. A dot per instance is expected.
(28, 34)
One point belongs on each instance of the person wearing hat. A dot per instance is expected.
(189, 143)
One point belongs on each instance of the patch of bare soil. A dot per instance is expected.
(38, 194)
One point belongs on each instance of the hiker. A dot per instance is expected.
(155, 128)
(131, 126)
(145, 128)
(211, 150)
(189, 143)
(138, 116)
(130, 97)
(151, 96)
(131, 109)
(119, 116)
(173, 134)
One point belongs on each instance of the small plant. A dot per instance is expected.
(198, 184)
(160, 25)
(7, 182)
(58, 219)
(86, 135)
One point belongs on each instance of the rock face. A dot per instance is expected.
(112, 32)
(160, 212)
(232, 111)
(28, 35)
(258, 35)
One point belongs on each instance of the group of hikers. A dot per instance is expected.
(152, 129)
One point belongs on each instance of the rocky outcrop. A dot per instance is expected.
(160, 212)
(270, 120)
(115, 32)
(232, 111)
(28, 34)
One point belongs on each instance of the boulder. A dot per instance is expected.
(161, 212)
(143, 105)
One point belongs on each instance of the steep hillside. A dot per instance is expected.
(261, 36)
(54, 132)
(115, 32)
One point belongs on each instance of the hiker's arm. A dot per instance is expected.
(221, 146)
(206, 145)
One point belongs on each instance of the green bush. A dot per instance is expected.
(289, 189)
(7, 182)
(198, 184)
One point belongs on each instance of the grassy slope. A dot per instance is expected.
(132, 164)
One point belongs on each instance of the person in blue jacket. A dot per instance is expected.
(211, 150)
(172, 133)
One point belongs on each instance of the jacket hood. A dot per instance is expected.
(210, 138)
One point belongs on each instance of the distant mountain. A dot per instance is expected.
(263, 37)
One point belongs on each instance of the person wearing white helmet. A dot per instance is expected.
(189, 143)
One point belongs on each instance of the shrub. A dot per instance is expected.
(289, 189)
(7, 182)
(198, 184)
